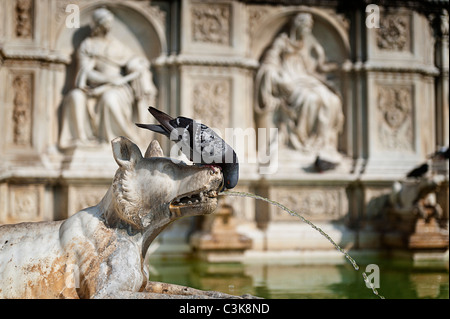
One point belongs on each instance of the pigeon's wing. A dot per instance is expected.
(162, 118)
(328, 165)
(443, 152)
(211, 146)
(418, 171)
(324, 165)
(183, 132)
(203, 144)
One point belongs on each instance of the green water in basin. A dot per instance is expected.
(399, 278)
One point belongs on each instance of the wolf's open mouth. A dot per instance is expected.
(194, 198)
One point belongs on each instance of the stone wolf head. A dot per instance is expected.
(153, 189)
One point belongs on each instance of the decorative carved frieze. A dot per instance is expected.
(312, 203)
(211, 100)
(395, 118)
(22, 85)
(394, 33)
(211, 23)
(24, 19)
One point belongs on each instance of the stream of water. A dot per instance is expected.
(292, 213)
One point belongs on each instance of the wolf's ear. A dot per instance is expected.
(154, 150)
(125, 152)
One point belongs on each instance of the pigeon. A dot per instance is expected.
(322, 165)
(199, 143)
(419, 171)
(442, 153)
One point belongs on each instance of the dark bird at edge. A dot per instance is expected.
(442, 153)
(322, 165)
(199, 143)
(419, 171)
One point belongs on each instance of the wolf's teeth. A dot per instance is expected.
(212, 193)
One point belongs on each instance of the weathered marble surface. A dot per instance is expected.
(99, 252)
(204, 58)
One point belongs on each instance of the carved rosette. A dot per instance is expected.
(22, 109)
(211, 101)
(395, 118)
(211, 23)
(394, 33)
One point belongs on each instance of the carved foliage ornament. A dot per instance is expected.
(395, 117)
(211, 23)
(24, 19)
(211, 101)
(393, 33)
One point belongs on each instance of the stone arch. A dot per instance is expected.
(273, 23)
(144, 24)
(140, 29)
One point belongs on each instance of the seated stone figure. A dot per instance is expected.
(112, 87)
(99, 252)
(293, 95)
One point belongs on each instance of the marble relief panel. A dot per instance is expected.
(394, 33)
(22, 85)
(211, 100)
(395, 118)
(211, 23)
(315, 203)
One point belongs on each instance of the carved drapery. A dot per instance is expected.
(293, 94)
(113, 87)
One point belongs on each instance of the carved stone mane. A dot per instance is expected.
(125, 197)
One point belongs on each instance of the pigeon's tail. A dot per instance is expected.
(162, 118)
(154, 128)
